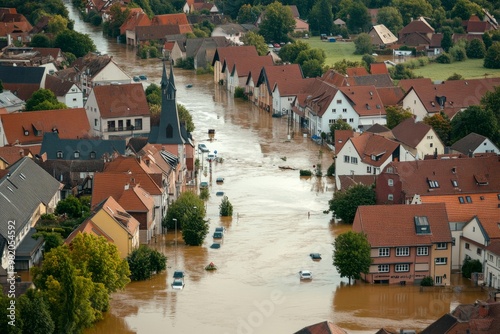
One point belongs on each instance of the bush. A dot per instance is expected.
(239, 92)
(331, 170)
(422, 61)
(471, 266)
(444, 59)
(226, 208)
(305, 172)
(458, 53)
(476, 49)
(427, 281)
(144, 262)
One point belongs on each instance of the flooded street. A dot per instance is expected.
(277, 222)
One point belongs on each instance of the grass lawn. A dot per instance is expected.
(469, 69)
(334, 51)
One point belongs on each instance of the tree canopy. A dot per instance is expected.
(290, 52)
(352, 255)
(277, 23)
(396, 114)
(345, 203)
(321, 18)
(491, 101)
(144, 262)
(252, 38)
(43, 99)
(363, 44)
(391, 18)
(441, 124)
(474, 119)
(74, 42)
(492, 58)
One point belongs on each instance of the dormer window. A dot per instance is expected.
(76, 154)
(455, 183)
(59, 154)
(433, 184)
(422, 225)
(92, 155)
(26, 133)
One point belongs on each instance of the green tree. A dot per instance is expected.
(185, 116)
(352, 255)
(321, 18)
(396, 114)
(391, 18)
(277, 23)
(491, 101)
(471, 266)
(441, 124)
(358, 19)
(249, 14)
(117, 17)
(289, 52)
(312, 68)
(412, 9)
(427, 281)
(492, 58)
(474, 119)
(40, 41)
(35, 313)
(309, 54)
(70, 206)
(74, 42)
(458, 53)
(487, 40)
(189, 212)
(43, 98)
(57, 24)
(455, 76)
(363, 44)
(339, 124)
(345, 203)
(100, 261)
(476, 49)
(51, 239)
(144, 262)
(252, 38)
(447, 41)
(225, 207)
(341, 66)
(8, 305)
(465, 8)
(400, 72)
(367, 60)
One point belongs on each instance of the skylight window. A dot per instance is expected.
(433, 184)
(455, 183)
(422, 225)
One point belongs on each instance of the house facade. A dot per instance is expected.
(408, 243)
(473, 144)
(116, 111)
(418, 138)
(492, 269)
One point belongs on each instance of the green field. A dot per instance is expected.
(334, 51)
(469, 69)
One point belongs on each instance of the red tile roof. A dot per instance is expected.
(406, 84)
(410, 132)
(135, 19)
(276, 74)
(228, 54)
(10, 154)
(341, 137)
(390, 96)
(319, 97)
(245, 64)
(420, 25)
(88, 227)
(136, 199)
(294, 86)
(394, 225)
(370, 144)
(121, 100)
(334, 78)
(356, 71)
(170, 19)
(115, 210)
(378, 68)
(364, 99)
(70, 124)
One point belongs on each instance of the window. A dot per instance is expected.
(429, 137)
(369, 169)
(454, 182)
(76, 154)
(120, 125)
(467, 245)
(441, 260)
(468, 199)
(351, 120)
(383, 268)
(402, 251)
(453, 241)
(59, 155)
(431, 144)
(422, 225)
(461, 200)
(354, 160)
(479, 251)
(92, 155)
(390, 170)
(402, 267)
(383, 252)
(74, 99)
(111, 125)
(339, 101)
(346, 158)
(390, 197)
(390, 182)
(438, 280)
(490, 258)
(344, 110)
(422, 251)
(433, 184)
(138, 123)
(441, 245)
(334, 110)
(95, 122)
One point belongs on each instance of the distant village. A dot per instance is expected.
(437, 205)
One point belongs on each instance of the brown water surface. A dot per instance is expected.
(278, 221)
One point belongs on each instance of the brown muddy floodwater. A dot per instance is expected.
(278, 221)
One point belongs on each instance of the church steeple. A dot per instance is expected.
(168, 131)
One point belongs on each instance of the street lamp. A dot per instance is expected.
(175, 220)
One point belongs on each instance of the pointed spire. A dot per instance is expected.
(171, 77)
(170, 88)
(164, 79)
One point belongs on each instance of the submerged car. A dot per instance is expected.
(315, 256)
(203, 148)
(305, 275)
(178, 284)
(178, 274)
(218, 235)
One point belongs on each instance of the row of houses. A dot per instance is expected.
(131, 183)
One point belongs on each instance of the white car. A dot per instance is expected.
(203, 148)
(178, 284)
(305, 274)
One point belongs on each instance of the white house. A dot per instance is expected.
(474, 143)
(367, 154)
(492, 267)
(418, 138)
(286, 92)
(237, 75)
(118, 111)
(474, 241)
(65, 91)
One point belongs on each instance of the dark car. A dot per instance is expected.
(178, 274)
(218, 235)
(315, 256)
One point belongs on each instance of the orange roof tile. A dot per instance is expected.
(334, 78)
(410, 132)
(228, 54)
(406, 84)
(115, 210)
(135, 19)
(319, 96)
(275, 74)
(10, 154)
(121, 100)
(170, 19)
(364, 99)
(70, 124)
(370, 144)
(378, 68)
(88, 227)
(390, 96)
(245, 64)
(136, 199)
(294, 86)
(394, 225)
(356, 71)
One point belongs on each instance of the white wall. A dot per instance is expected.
(487, 146)
(412, 101)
